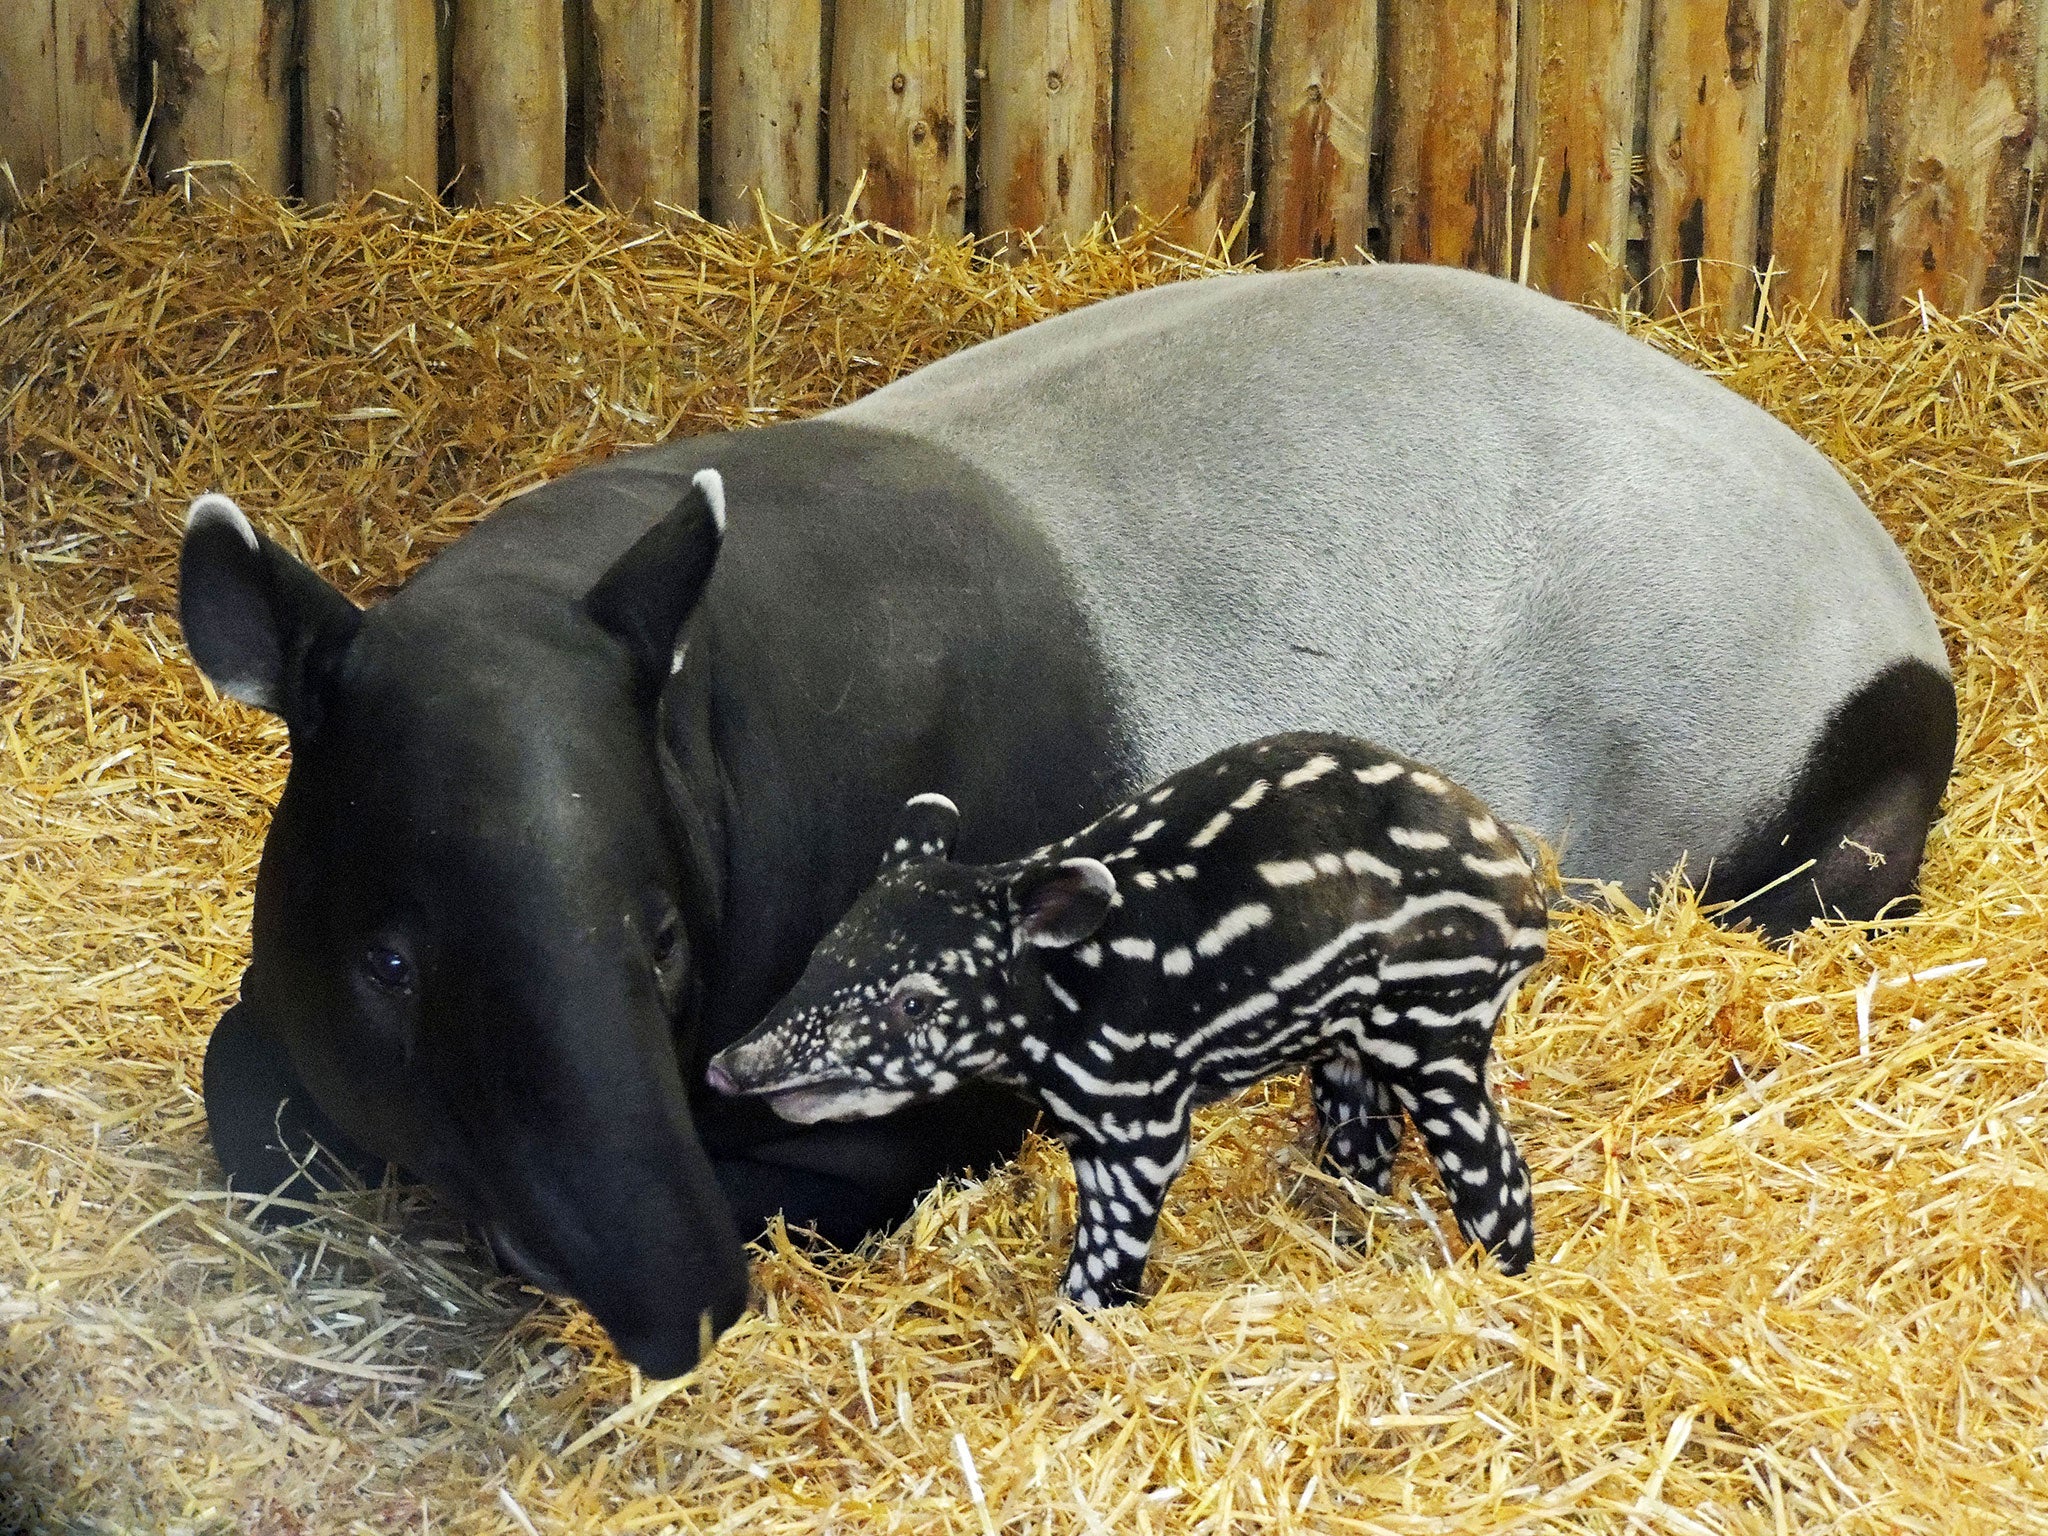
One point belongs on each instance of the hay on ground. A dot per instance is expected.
(1794, 1204)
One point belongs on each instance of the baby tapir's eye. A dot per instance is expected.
(388, 969)
(915, 997)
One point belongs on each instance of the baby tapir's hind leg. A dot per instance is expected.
(1481, 1171)
(1361, 1122)
(1121, 1189)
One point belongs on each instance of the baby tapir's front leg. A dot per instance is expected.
(1122, 1187)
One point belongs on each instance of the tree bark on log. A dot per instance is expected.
(68, 84)
(1579, 98)
(1321, 76)
(1825, 53)
(640, 83)
(767, 90)
(1451, 80)
(223, 89)
(1955, 114)
(370, 98)
(1045, 114)
(899, 82)
(1707, 67)
(1187, 99)
(510, 100)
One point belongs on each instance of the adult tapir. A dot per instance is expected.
(566, 814)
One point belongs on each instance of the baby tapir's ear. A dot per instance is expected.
(925, 829)
(1055, 905)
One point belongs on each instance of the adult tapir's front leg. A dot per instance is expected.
(266, 1130)
(1121, 1190)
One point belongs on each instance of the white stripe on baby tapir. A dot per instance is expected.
(1177, 961)
(1484, 828)
(1364, 984)
(1378, 773)
(1249, 1008)
(1409, 970)
(1418, 839)
(1234, 924)
(1495, 869)
(1133, 949)
(1120, 1040)
(1309, 771)
(1406, 913)
(1252, 795)
(1160, 797)
(1394, 1053)
(1211, 830)
(1061, 995)
(1424, 780)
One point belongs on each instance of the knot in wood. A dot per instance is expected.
(919, 132)
(898, 84)
(1053, 81)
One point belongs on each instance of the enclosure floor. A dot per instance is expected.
(1793, 1205)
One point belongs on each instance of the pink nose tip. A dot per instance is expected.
(720, 1079)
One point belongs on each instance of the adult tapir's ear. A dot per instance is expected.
(1055, 905)
(925, 829)
(260, 623)
(653, 587)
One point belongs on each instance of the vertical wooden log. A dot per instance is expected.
(67, 85)
(1321, 72)
(223, 88)
(899, 84)
(1706, 139)
(1825, 52)
(1579, 99)
(370, 87)
(767, 83)
(640, 102)
(1451, 119)
(1045, 114)
(1187, 96)
(1955, 114)
(510, 101)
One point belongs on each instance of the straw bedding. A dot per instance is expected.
(1794, 1205)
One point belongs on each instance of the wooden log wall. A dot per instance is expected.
(1875, 154)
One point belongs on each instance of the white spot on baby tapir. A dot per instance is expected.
(1211, 830)
(1426, 781)
(1177, 961)
(1234, 924)
(1184, 871)
(1252, 794)
(1150, 829)
(1144, 879)
(1160, 796)
(1309, 771)
(1088, 954)
(1419, 840)
(1281, 873)
(1379, 773)
(1032, 1046)
(901, 845)
(1484, 829)
(1133, 949)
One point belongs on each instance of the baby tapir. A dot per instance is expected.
(1304, 899)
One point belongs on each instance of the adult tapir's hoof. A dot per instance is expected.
(267, 1132)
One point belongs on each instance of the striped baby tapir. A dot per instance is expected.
(1305, 899)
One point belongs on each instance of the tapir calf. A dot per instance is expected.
(1302, 900)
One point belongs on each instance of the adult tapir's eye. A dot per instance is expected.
(388, 969)
(666, 937)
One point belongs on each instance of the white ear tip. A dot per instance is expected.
(935, 800)
(216, 508)
(712, 484)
